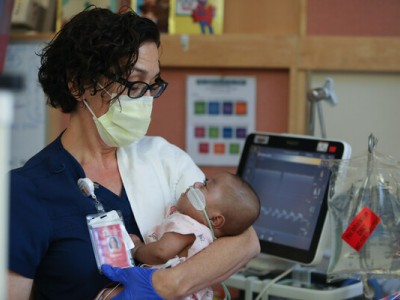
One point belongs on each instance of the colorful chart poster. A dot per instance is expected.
(196, 17)
(220, 114)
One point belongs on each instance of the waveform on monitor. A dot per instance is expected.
(283, 214)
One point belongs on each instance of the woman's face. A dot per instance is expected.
(146, 69)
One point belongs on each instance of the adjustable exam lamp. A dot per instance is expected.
(315, 96)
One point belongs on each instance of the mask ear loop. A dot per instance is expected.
(88, 107)
(111, 98)
(104, 89)
(198, 201)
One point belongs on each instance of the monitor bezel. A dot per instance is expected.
(313, 254)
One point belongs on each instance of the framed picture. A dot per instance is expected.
(196, 17)
(69, 8)
(156, 10)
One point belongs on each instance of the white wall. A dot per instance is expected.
(367, 103)
(6, 117)
(29, 129)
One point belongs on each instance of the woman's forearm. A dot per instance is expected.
(19, 287)
(212, 265)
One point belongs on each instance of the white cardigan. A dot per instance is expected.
(155, 173)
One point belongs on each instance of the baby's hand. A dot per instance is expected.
(138, 243)
(136, 240)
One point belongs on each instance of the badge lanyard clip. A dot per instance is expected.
(87, 188)
(110, 239)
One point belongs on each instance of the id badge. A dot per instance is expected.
(110, 240)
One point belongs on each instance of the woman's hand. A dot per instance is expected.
(137, 282)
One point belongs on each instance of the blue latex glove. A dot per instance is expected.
(136, 281)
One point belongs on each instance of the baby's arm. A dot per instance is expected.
(168, 246)
(158, 252)
(136, 240)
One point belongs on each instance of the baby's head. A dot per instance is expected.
(231, 204)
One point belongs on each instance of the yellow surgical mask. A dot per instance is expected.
(125, 122)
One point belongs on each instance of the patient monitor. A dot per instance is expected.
(292, 184)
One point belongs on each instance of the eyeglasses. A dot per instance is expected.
(137, 89)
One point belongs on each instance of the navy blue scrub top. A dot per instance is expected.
(49, 238)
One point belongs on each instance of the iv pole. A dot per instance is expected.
(315, 96)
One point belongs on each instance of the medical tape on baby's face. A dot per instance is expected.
(197, 199)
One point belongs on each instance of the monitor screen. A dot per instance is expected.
(287, 175)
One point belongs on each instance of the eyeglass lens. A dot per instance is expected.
(138, 89)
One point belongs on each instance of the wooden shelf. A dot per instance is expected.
(303, 53)
(31, 36)
(265, 51)
(299, 55)
(229, 51)
(349, 53)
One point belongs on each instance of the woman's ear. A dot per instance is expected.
(74, 91)
(217, 221)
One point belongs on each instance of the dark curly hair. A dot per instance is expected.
(92, 44)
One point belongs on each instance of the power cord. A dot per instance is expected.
(272, 281)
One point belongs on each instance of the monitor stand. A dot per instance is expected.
(263, 264)
(303, 282)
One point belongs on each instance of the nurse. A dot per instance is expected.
(103, 69)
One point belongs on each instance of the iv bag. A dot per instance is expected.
(364, 214)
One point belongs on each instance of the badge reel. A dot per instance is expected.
(110, 240)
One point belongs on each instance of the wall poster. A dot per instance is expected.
(220, 113)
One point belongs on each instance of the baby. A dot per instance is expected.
(223, 205)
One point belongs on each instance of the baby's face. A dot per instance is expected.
(184, 205)
(212, 190)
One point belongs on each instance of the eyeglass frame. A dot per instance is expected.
(129, 84)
